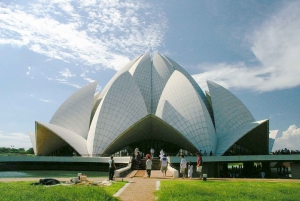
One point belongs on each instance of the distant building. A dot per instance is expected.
(152, 103)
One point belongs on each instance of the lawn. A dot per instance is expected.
(228, 190)
(25, 191)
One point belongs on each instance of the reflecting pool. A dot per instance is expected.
(50, 173)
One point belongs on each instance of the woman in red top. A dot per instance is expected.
(199, 164)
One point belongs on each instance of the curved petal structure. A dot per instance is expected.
(33, 140)
(229, 112)
(51, 137)
(161, 72)
(121, 107)
(187, 113)
(152, 102)
(75, 113)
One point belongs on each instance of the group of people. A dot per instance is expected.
(189, 166)
(183, 165)
(163, 164)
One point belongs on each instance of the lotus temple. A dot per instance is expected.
(152, 102)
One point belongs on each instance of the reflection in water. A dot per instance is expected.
(47, 174)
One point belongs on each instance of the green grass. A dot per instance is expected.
(228, 190)
(25, 191)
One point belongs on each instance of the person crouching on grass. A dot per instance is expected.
(182, 166)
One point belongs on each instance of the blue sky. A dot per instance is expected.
(48, 50)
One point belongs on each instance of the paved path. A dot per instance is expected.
(140, 186)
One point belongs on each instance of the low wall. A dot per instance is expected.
(295, 170)
(175, 173)
(123, 172)
(14, 163)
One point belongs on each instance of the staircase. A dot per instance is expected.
(142, 165)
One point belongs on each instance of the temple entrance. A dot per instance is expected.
(145, 146)
(149, 132)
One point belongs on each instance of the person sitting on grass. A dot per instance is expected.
(182, 166)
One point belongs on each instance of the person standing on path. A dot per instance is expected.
(164, 165)
(162, 153)
(199, 164)
(182, 166)
(190, 170)
(148, 166)
(152, 152)
(112, 167)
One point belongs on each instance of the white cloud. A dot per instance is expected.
(89, 32)
(290, 139)
(66, 73)
(28, 72)
(41, 99)
(90, 80)
(17, 140)
(276, 46)
(46, 101)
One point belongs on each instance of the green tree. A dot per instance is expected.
(30, 151)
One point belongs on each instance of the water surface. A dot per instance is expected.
(49, 173)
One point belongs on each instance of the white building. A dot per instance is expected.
(152, 103)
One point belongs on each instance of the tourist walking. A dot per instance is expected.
(148, 165)
(164, 165)
(161, 153)
(112, 167)
(152, 152)
(136, 153)
(199, 164)
(182, 166)
(190, 170)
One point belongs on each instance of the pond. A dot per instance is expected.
(49, 173)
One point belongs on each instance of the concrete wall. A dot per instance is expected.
(295, 170)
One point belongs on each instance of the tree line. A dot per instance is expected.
(5, 150)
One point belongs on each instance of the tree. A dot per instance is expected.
(30, 151)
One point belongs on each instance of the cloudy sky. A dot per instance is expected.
(49, 49)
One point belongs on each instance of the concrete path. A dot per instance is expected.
(142, 187)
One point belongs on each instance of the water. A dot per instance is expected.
(48, 174)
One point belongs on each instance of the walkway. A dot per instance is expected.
(140, 186)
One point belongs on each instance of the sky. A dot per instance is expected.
(50, 49)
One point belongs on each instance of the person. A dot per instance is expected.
(112, 167)
(152, 152)
(190, 170)
(136, 153)
(210, 153)
(148, 156)
(162, 153)
(148, 165)
(199, 164)
(164, 165)
(182, 166)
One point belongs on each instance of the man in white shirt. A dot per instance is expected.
(148, 166)
(164, 165)
(182, 166)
